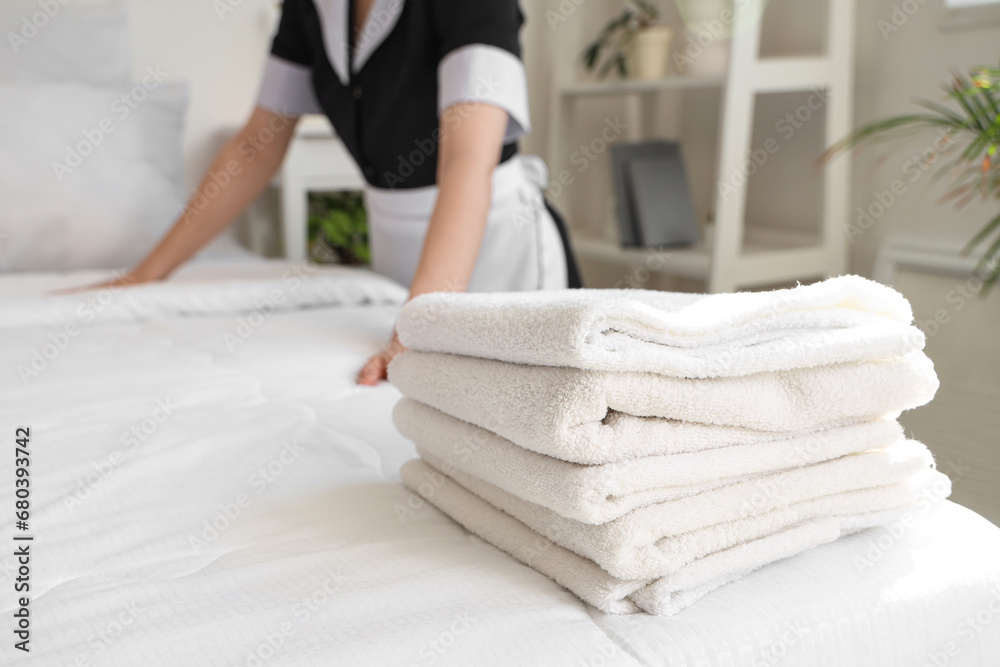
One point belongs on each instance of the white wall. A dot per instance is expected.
(911, 62)
(962, 424)
(221, 57)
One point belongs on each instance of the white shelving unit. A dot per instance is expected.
(317, 161)
(731, 256)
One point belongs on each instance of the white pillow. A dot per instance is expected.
(87, 181)
(65, 41)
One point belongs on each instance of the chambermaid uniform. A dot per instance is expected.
(384, 88)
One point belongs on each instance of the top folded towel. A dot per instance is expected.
(685, 335)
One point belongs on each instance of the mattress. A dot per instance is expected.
(209, 487)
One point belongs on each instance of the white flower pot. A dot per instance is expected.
(649, 53)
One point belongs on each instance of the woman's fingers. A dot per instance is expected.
(127, 280)
(376, 368)
(373, 371)
(110, 284)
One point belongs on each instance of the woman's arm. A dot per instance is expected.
(245, 165)
(471, 143)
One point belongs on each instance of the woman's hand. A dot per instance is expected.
(471, 143)
(130, 279)
(375, 368)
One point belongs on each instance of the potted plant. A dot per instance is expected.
(632, 44)
(338, 229)
(970, 122)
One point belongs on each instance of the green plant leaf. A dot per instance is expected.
(982, 106)
(989, 265)
(973, 117)
(339, 222)
(982, 235)
(975, 172)
(607, 66)
(614, 37)
(956, 119)
(884, 130)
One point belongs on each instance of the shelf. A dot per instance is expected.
(770, 75)
(745, 256)
(772, 255)
(693, 262)
(777, 75)
(603, 88)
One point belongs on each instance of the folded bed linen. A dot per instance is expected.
(637, 544)
(597, 417)
(686, 335)
(663, 596)
(282, 288)
(601, 493)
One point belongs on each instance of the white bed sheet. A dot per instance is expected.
(329, 561)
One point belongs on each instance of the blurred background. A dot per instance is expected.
(749, 139)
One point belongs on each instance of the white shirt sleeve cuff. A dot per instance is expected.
(490, 75)
(287, 89)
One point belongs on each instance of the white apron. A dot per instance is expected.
(521, 250)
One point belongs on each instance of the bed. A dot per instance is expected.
(209, 487)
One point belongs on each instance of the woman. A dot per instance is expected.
(430, 98)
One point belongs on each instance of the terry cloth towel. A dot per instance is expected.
(637, 544)
(685, 335)
(666, 595)
(597, 416)
(601, 493)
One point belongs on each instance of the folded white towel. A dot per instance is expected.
(598, 416)
(664, 596)
(685, 335)
(667, 595)
(637, 545)
(600, 493)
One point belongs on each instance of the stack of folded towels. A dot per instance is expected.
(644, 448)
